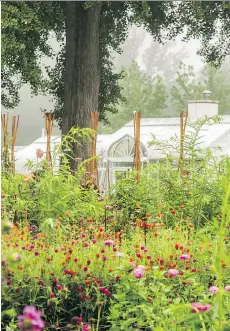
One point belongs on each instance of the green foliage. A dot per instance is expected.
(194, 194)
(141, 93)
(186, 88)
(80, 258)
(26, 28)
(212, 26)
(190, 87)
(44, 196)
(218, 82)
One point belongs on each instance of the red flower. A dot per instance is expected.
(173, 212)
(79, 289)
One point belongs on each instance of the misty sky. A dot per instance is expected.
(29, 109)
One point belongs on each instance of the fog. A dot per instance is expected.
(29, 108)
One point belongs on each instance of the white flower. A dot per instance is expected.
(120, 254)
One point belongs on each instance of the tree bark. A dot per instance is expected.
(82, 70)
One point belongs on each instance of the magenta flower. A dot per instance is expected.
(185, 257)
(173, 273)
(138, 272)
(86, 327)
(76, 320)
(198, 307)
(213, 289)
(141, 267)
(30, 320)
(109, 243)
(227, 288)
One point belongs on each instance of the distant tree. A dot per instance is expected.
(164, 59)
(156, 58)
(189, 86)
(130, 49)
(218, 82)
(141, 93)
(186, 87)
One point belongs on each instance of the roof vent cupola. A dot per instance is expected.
(198, 109)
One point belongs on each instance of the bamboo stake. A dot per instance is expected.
(49, 118)
(137, 154)
(93, 164)
(108, 179)
(183, 124)
(5, 121)
(13, 140)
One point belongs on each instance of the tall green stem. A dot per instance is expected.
(98, 317)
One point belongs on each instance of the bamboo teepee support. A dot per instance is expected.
(5, 121)
(137, 151)
(49, 118)
(183, 123)
(15, 123)
(93, 163)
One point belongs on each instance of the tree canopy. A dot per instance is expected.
(26, 27)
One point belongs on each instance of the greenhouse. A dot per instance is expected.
(116, 150)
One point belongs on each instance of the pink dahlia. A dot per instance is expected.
(185, 257)
(30, 320)
(109, 243)
(173, 272)
(213, 289)
(227, 288)
(197, 307)
(138, 272)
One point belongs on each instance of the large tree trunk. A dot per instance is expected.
(82, 69)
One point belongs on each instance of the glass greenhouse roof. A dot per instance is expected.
(162, 128)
